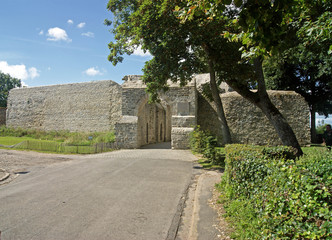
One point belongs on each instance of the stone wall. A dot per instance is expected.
(91, 106)
(105, 105)
(248, 124)
(2, 116)
(126, 132)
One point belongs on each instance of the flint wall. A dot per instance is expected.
(84, 107)
(247, 122)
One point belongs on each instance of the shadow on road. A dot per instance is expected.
(163, 145)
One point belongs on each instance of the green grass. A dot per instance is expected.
(70, 138)
(57, 147)
(9, 141)
(313, 149)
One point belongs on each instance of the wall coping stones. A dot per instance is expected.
(66, 85)
(136, 81)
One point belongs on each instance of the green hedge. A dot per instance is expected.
(270, 195)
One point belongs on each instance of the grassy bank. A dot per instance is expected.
(57, 141)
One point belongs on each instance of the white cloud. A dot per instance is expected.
(41, 32)
(81, 25)
(57, 34)
(88, 34)
(19, 71)
(70, 21)
(139, 52)
(92, 71)
(33, 72)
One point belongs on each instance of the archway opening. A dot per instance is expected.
(154, 124)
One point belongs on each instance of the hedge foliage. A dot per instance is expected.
(269, 194)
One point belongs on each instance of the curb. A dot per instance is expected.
(173, 230)
(193, 224)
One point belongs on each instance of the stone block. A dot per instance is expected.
(180, 137)
(182, 108)
(184, 121)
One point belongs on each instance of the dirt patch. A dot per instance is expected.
(15, 162)
(223, 226)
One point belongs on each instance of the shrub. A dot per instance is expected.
(204, 143)
(219, 157)
(320, 129)
(197, 140)
(291, 199)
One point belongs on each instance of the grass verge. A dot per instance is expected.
(57, 141)
(9, 141)
(208, 165)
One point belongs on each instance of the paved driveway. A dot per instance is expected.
(127, 194)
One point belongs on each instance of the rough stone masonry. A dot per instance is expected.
(108, 106)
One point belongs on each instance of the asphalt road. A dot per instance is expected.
(127, 194)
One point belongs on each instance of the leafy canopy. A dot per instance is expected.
(180, 48)
(268, 26)
(6, 83)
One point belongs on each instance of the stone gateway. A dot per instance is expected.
(108, 106)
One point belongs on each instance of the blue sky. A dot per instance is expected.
(47, 42)
(321, 120)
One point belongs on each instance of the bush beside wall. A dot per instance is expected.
(204, 143)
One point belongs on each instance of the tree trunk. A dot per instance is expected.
(313, 124)
(226, 135)
(278, 121)
(261, 100)
(285, 132)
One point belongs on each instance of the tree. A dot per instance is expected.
(6, 83)
(179, 49)
(307, 71)
(316, 22)
(184, 35)
(259, 26)
(267, 28)
(306, 67)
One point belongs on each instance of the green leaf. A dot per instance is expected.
(227, 2)
(238, 3)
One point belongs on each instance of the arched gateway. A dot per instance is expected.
(172, 119)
